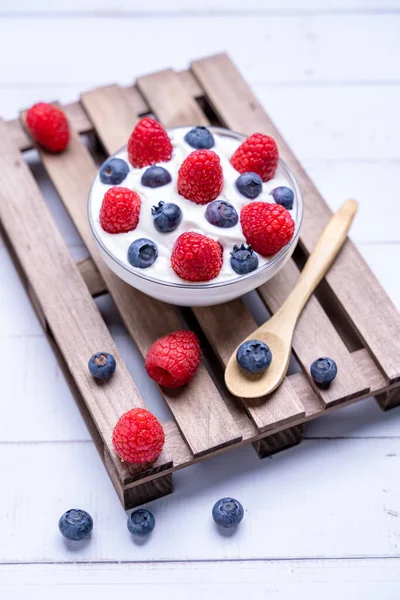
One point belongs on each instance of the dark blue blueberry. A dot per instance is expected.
(249, 185)
(166, 216)
(75, 524)
(283, 195)
(114, 171)
(155, 177)
(254, 356)
(200, 138)
(323, 371)
(142, 253)
(221, 214)
(243, 259)
(141, 522)
(227, 512)
(102, 365)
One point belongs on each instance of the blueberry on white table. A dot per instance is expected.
(249, 185)
(254, 356)
(227, 512)
(284, 196)
(141, 522)
(243, 259)
(155, 177)
(142, 253)
(200, 138)
(102, 365)
(166, 216)
(75, 524)
(114, 171)
(221, 214)
(323, 371)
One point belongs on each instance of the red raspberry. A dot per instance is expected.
(196, 257)
(173, 360)
(120, 210)
(138, 437)
(267, 227)
(48, 126)
(149, 143)
(259, 154)
(200, 177)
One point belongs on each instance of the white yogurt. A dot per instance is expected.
(193, 215)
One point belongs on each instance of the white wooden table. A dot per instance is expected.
(322, 519)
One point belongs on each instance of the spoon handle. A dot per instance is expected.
(331, 240)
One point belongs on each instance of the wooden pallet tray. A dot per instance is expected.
(350, 318)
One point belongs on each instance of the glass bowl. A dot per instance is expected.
(203, 293)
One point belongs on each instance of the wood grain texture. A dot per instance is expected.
(63, 298)
(389, 399)
(283, 440)
(146, 319)
(92, 277)
(350, 279)
(216, 321)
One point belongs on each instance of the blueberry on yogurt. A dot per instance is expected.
(114, 171)
(243, 259)
(200, 138)
(221, 214)
(142, 253)
(155, 177)
(249, 185)
(283, 195)
(166, 216)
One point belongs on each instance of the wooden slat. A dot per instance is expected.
(316, 332)
(64, 299)
(205, 425)
(182, 109)
(350, 279)
(316, 336)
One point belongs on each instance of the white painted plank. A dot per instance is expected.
(303, 580)
(312, 55)
(188, 7)
(326, 498)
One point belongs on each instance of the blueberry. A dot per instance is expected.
(283, 195)
(141, 522)
(166, 216)
(323, 371)
(114, 171)
(254, 356)
(249, 185)
(221, 214)
(155, 177)
(200, 138)
(227, 512)
(102, 365)
(75, 524)
(142, 253)
(243, 259)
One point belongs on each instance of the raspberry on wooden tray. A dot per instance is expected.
(48, 125)
(138, 437)
(173, 360)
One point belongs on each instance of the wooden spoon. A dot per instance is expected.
(278, 331)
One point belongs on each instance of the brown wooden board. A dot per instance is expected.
(206, 421)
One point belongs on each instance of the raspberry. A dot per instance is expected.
(266, 227)
(48, 126)
(173, 360)
(149, 143)
(120, 210)
(259, 154)
(138, 437)
(196, 257)
(200, 177)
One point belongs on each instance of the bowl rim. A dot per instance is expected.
(206, 285)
